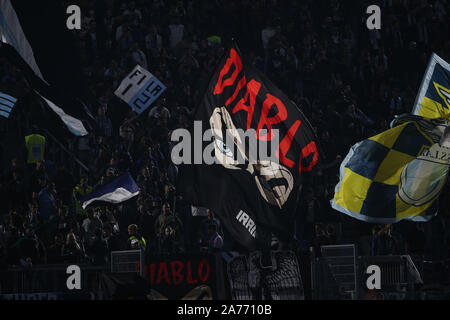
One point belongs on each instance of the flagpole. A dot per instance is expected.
(67, 151)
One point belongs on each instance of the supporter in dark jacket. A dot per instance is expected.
(71, 250)
(55, 251)
(97, 248)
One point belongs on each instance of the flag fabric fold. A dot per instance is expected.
(433, 98)
(11, 32)
(120, 189)
(395, 175)
(49, 64)
(74, 125)
(400, 173)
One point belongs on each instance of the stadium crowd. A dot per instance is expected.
(348, 80)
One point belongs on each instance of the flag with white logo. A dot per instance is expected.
(139, 89)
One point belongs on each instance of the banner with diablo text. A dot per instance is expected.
(253, 195)
(183, 276)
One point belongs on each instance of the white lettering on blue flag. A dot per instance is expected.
(140, 89)
(6, 104)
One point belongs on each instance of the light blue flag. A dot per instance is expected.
(7, 103)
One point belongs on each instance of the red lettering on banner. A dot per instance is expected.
(189, 274)
(152, 273)
(269, 121)
(177, 267)
(204, 274)
(236, 61)
(137, 267)
(163, 273)
(247, 104)
(285, 144)
(239, 86)
(306, 151)
(250, 97)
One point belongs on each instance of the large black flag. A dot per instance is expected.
(254, 198)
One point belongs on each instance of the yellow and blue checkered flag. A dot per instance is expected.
(433, 99)
(371, 174)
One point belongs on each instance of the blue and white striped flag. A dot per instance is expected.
(118, 190)
(6, 104)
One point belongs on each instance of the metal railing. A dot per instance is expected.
(399, 275)
(341, 260)
(47, 278)
(330, 277)
(127, 261)
(250, 281)
(400, 278)
(333, 274)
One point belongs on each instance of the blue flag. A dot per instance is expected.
(118, 190)
(6, 104)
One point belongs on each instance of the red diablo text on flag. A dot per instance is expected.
(274, 113)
